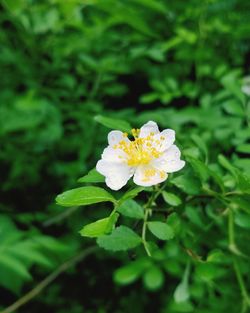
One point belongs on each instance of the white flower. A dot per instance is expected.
(149, 157)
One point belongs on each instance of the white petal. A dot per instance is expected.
(115, 136)
(169, 161)
(166, 139)
(149, 127)
(114, 155)
(148, 176)
(116, 174)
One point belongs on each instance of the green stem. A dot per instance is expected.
(234, 249)
(147, 208)
(231, 235)
(243, 289)
(144, 230)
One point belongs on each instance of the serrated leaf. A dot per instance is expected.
(171, 198)
(84, 196)
(122, 238)
(161, 230)
(113, 123)
(100, 227)
(92, 177)
(131, 208)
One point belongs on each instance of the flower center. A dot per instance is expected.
(140, 151)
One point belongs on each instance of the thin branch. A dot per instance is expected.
(49, 279)
(60, 216)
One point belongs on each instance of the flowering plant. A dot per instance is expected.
(149, 158)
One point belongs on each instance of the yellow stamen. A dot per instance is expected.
(140, 151)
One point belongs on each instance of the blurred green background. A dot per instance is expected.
(182, 64)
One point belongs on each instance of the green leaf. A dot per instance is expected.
(200, 168)
(131, 208)
(15, 265)
(187, 183)
(181, 293)
(243, 181)
(149, 98)
(84, 196)
(129, 273)
(242, 220)
(216, 256)
(194, 216)
(233, 107)
(217, 179)
(113, 123)
(122, 238)
(174, 222)
(201, 144)
(171, 198)
(100, 227)
(131, 194)
(241, 202)
(92, 177)
(153, 278)
(243, 148)
(227, 165)
(209, 271)
(161, 230)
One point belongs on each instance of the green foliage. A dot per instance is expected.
(21, 250)
(71, 72)
(84, 196)
(122, 238)
(131, 208)
(171, 198)
(113, 123)
(92, 177)
(161, 230)
(100, 227)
